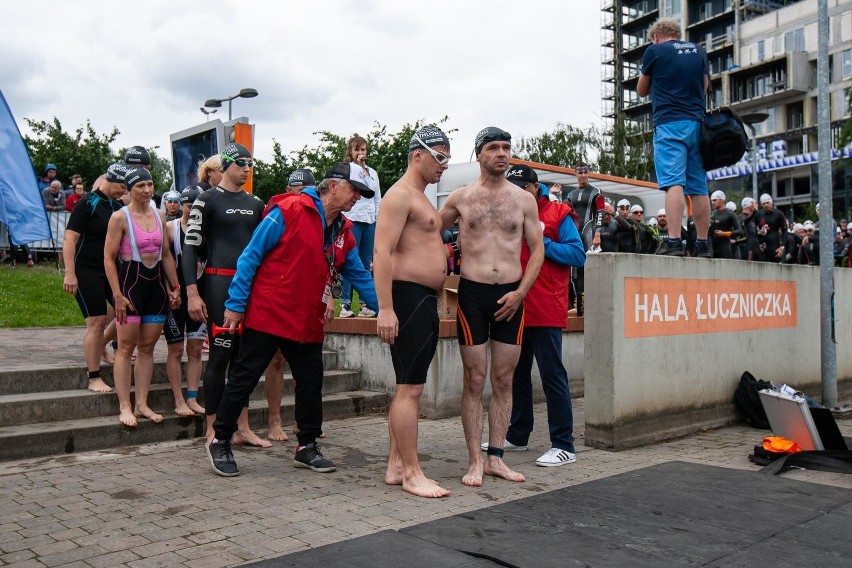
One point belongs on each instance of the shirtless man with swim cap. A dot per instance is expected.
(409, 264)
(495, 216)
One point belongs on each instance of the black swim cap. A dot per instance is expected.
(233, 152)
(137, 156)
(189, 194)
(301, 178)
(116, 172)
(136, 175)
(490, 134)
(430, 136)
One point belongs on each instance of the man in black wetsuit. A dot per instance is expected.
(771, 226)
(724, 226)
(648, 239)
(628, 232)
(584, 200)
(221, 222)
(607, 234)
(748, 246)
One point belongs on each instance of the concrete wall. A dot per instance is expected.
(442, 393)
(646, 388)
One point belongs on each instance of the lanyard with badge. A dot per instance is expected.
(332, 283)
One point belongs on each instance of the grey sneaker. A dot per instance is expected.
(311, 458)
(345, 311)
(507, 446)
(366, 312)
(222, 458)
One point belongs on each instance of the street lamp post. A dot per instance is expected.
(207, 113)
(751, 119)
(217, 103)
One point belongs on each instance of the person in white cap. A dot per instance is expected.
(749, 244)
(648, 240)
(792, 243)
(809, 249)
(724, 226)
(771, 226)
(628, 235)
(731, 206)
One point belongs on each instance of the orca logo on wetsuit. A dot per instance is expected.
(240, 211)
(193, 228)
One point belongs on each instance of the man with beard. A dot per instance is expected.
(495, 216)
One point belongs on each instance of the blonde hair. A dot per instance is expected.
(664, 28)
(352, 144)
(211, 164)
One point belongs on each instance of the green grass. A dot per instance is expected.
(33, 297)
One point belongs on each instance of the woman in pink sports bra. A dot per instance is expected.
(144, 284)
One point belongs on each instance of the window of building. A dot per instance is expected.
(846, 63)
(671, 8)
(795, 40)
(761, 50)
(795, 115)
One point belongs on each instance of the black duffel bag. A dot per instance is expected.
(723, 138)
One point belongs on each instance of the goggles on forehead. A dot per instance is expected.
(439, 157)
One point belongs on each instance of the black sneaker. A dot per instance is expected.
(667, 249)
(702, 250)
(310, 457)
(222, 458)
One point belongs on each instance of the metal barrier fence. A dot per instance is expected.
(58, 220)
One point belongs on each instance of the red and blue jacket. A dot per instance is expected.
(283, 272)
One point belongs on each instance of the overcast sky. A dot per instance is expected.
(337, 65)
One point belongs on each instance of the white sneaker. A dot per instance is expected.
(366, 312)
(345, 312)
(554, 457)
(507, 446)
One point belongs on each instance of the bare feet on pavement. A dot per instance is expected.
(98, 385)
(194, 406)
(127, 418)
(497, 467)
(249, 439)
(146, 412)
(183, 409)
(473, 477)
(277, 433)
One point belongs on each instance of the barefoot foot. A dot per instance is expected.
(498, 468)
(182, 409)
(144, 411)
(393, 475)
(423, 487)
(473, 477)
(107, 357)
(277, 433)
(98, 385)
(194, 406)
(127, 418)
(249, 439)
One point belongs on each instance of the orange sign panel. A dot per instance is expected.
(671, 306)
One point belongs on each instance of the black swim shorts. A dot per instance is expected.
(416, 308)
(476, 308)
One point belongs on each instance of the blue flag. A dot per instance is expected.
(21, 206)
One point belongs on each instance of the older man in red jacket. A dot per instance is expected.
(546, 313)
(280, 297)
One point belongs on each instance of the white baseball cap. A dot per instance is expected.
(731, 206)
(623, 203)
(661, 212)
(718, 195)
(765, 198)
(747, 202)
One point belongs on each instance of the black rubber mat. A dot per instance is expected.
(675, 514)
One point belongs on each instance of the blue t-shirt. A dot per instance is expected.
(677, 69)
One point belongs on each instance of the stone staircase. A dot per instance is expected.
(46, 410)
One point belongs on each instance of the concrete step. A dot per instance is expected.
(80, 403)
(85, 434)
(47, 377)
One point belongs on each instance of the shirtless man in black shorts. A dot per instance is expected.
(494, 216)
(409, 264)
(221, 222)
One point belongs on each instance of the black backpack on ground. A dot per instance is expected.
(747, 399)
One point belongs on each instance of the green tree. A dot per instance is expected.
(626, 151)
(84, 152)
(565, 146)
(388, 155)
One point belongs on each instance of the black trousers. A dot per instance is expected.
(255, 353)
